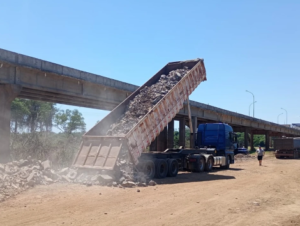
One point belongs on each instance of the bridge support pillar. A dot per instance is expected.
(171, 134)
(7, 94)
(246, 137)
(181, 132)
(252, 142)
(162, 140)
(193, 135)
(267, 141)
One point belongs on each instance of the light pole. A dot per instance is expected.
(253, 101)
(286, 122)
(250, 106)
(278, 117)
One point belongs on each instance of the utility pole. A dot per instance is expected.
(286, 117)
(278, 117)
(253, 101)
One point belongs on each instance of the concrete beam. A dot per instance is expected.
(20, 62)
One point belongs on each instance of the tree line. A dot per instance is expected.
(38, 116)
(32, 126)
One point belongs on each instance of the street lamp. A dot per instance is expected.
(253, 101)
(278, 117)
(250, 106)
(285, 115)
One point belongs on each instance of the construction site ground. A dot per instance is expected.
(246, 194)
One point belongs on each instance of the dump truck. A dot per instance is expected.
(100, 148)
(287, 147)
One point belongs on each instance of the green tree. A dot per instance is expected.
(19, 111)
(69, 121)
(40, 115)
(187, 138)
(32, 115)
(259, 140)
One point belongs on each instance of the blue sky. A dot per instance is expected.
(251, 45)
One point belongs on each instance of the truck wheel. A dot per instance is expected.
(149, 169)
(161, 168)
(200, 166)
(209, 164)
(228, 163)
(172, 167)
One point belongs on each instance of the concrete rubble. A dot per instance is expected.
(18, 176)
(21, 175)
(145, 101)
(137, 109)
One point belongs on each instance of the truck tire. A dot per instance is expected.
(228, 163)
(161, 168)
(209, 164)
(200, 166)
(172, 168)
(149, 169)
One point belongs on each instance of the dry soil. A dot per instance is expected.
(246, 194)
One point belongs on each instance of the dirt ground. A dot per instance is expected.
(244, 195)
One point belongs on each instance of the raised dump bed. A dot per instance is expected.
(100, 151)
(287, 147)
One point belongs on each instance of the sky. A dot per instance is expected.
(246, 45)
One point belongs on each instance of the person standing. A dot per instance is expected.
(260, 153)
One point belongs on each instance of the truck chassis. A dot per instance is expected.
(169, 162)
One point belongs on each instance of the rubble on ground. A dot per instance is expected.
(146, 100)
(18, 176)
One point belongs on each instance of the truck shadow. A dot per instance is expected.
(188, 177)
(231, 169)
(285, 159)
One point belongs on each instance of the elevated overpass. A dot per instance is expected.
(31, 78)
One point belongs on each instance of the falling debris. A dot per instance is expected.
(145, 100)
(18, 176)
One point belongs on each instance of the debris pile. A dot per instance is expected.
(145, 101)
(18, 176)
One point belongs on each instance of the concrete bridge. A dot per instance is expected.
(27, 77)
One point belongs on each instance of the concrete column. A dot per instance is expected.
(267, 140)
(7, 94)
(246, 136)
(162, 140)
(252, 144)
(193, 136)
(181, 132)
(171, 134)
(153, 145)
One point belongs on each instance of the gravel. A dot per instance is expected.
(145, 101)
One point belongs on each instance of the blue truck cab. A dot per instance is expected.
(219, 136)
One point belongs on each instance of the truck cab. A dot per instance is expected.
(219, 136)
